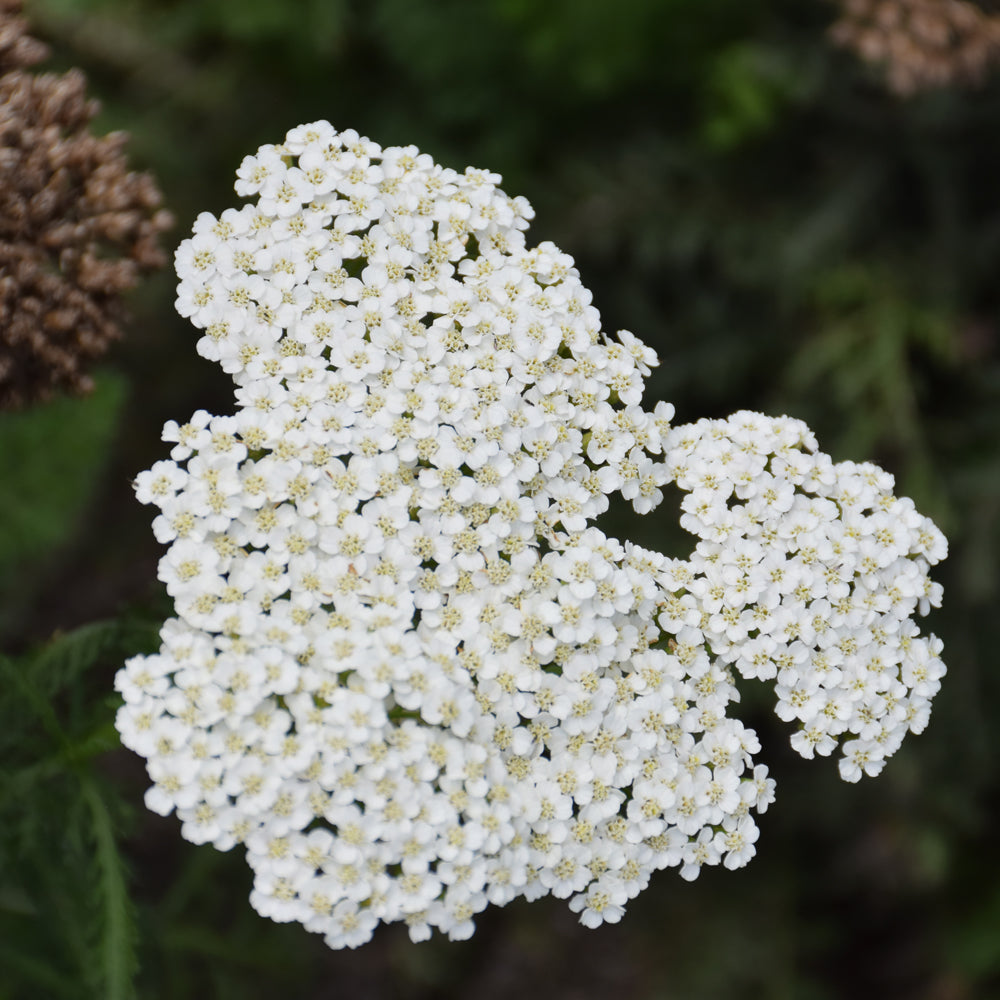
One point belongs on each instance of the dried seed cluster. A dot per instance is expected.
(921, 43)
(76, 227)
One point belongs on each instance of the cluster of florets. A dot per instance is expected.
(808, 572)
(407, 672)
(77, 227)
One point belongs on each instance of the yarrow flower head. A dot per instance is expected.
(407, 672)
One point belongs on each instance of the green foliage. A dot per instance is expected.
(316, 24)
(974, 939)
(592, 47)
(67, 921)
(747, 88)
(59, 452)
(863, 357)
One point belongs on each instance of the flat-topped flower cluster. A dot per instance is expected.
(407, 671)
(808, 572)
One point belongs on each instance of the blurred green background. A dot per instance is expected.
(789, 236)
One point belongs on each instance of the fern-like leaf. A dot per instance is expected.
(116, 928)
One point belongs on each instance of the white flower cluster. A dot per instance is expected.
(407, 672)
(808, 572)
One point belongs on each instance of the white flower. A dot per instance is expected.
(407, 672)
(843, 571)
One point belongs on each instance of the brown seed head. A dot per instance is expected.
(76, 227)
(921, 43)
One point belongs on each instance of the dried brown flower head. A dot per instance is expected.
(76, 227)
(17, 49)
(921, 43)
